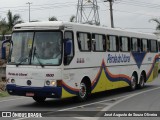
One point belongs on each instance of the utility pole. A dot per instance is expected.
(111, 12)
(29, 3)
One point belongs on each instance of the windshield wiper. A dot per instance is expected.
(39, 60)
(36, 55)
(22, 59)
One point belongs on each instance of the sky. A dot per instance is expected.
(133, 15)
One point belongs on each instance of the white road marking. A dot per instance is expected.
(20, 118)
(93, 103)
(119, 101)
(12, 99)
(26, 118)
(125, 97)
(105, 103)
(80, 106)
(106, 108)
(132, 95)
(86, 118)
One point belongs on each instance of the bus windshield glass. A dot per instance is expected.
(22, 44)
(36, 48)
(47, 48)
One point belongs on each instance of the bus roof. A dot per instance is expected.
(54, 25)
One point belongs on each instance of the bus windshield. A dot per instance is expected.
(36, 48)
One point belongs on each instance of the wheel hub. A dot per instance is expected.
(133, 82)
(82, 91)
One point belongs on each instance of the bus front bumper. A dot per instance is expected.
(46, 91)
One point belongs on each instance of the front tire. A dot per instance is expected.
(39, 99)
(83, 92)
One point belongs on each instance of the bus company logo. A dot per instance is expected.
(121, 58)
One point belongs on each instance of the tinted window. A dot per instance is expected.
(153, 44)
(144, 46)
(84, 41)
(124, 44)
(134, 44)
(98, 42)
(112, 43)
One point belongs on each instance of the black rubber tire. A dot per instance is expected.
(83, 92)
(133, 83)
(39, 99)
(142, 81)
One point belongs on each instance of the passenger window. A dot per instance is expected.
(112, 43)
(139, 45)
(153, 44)
(134, 44)
(98, 42)
(84, 41)
(144, 46)
(124, 44)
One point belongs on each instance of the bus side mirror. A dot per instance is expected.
(3, 48)
(67, 47)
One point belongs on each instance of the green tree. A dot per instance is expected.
(53, 18)
(72, 18)
(3, 28)
(157, 21)
(6, 26)
(13, 20)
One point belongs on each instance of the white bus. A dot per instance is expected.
(62, 59)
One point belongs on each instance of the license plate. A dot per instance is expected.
(30, 94)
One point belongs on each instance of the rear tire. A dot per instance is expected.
(133, 82)
(142, 81)
(83, 92)
(39, 99)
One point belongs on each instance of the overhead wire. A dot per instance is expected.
(139, 4)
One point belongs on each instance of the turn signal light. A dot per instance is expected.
(59, 83)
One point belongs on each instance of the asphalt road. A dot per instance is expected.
(146, 99)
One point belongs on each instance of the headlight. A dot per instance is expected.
(48, 82)
(53, 83)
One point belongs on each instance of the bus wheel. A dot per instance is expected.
(83, 92)
(133, 82)
(142, 81)
(39, 99)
